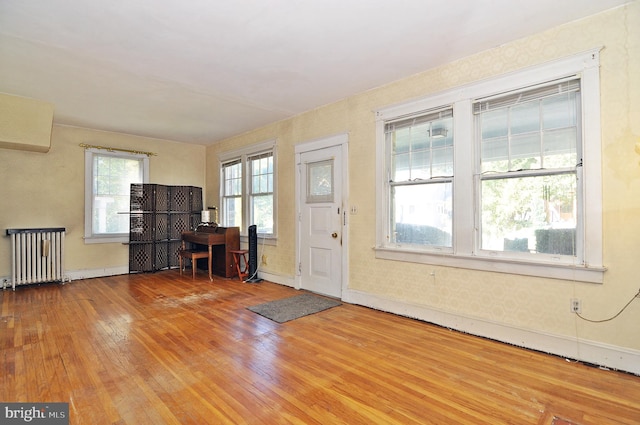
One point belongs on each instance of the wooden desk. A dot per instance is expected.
(220, 241)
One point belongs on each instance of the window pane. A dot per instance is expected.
(495, 155)
(525, 152)
(530, 214)
(422, 147)
(560, 148)
(401, 168)
(559, 111)
(421, 165)
(112, 178)
(232, 179)
(402, 140)
(232, 211)
(526, 145)
(261, 200)
(263, 213)
(422, 214)
(420, 136)
(495, 123)
(261, 172)
(442, 162)
(264, 179)
(525, 118)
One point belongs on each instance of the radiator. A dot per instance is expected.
(37, 256)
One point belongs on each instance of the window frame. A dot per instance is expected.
(90, 154)
(244, 155)
(466, 252)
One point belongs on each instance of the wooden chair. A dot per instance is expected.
(194, 256)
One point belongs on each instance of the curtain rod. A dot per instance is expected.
(84, 145)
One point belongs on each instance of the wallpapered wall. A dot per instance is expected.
(47, 190)
(519, 301)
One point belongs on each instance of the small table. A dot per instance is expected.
(242, 271)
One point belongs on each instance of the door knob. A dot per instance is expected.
(334, 235)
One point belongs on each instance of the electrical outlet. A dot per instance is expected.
(264, 260)
(576, 305)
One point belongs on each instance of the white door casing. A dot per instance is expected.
(321, 216)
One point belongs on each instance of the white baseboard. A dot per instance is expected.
(592, 352)
(276, 278)
(91, 273)
(112, 271)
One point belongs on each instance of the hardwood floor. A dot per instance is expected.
(164, 349)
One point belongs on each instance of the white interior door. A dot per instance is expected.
(321, 221)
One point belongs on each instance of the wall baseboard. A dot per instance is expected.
(592, 352)
(276, 278)
(91, 273)
(113, 271)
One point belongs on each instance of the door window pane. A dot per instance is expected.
(320, 181)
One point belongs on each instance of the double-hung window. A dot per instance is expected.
(530, 158)
(108, 179)
(261, 192)
(247, 193)
(421, 178)
(232, 193)
(499, 175)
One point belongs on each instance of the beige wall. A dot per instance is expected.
(47, 189)
(25, 123)
(537, 304)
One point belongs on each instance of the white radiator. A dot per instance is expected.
(37, 256)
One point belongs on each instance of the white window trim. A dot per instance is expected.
(89, 237)
(243, 154)
(465, 254)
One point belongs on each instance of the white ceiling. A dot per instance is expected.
(198, 71)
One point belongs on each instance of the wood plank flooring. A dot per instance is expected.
(165, 349)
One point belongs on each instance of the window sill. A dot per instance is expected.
(551, 270)
(270, 240)
(106, 239)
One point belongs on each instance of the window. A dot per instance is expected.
(108, 178)
(261, 192)
(530, 154)
(247, 193)
(494, 175)
(421, 180)
(232, 194)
